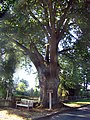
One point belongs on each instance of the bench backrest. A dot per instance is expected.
(27, 102)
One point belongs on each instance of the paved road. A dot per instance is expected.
(79, 114)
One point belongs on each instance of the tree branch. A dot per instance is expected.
(47, 19)
(42, 25)
(65, 50)
(52, 15)
(60, 33)
(44, 5)
(32, 52)
(21, 46)
(35, 56)
(73, 36)
(63, 17)
(35, 53)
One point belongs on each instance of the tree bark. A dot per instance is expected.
(47, 83)
(48, 76)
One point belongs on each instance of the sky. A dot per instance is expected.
(21, 73)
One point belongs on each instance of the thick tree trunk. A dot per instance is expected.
(48, 78)
(47, 84)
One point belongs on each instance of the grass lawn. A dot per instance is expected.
(78, 103)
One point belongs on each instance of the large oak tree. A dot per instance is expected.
(37, 27)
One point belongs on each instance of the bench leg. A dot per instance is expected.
(16, 105)
(28, 107)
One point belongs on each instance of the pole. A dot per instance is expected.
(50, 100)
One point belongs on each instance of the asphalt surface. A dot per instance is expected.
(79, 114)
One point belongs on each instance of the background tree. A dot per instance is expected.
(70, 77)
(22, 87)
(80, 55)
(8, 65)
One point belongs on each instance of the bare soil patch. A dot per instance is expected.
(24, 114)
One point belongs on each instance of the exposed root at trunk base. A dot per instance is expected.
(40, 106)
(58, 105)
(55, 106)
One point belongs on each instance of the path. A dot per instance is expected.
(79, 114)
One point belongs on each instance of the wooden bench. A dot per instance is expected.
(25, 103)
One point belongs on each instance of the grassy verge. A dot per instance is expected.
(78, 103)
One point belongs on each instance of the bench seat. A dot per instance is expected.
(24, 103)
